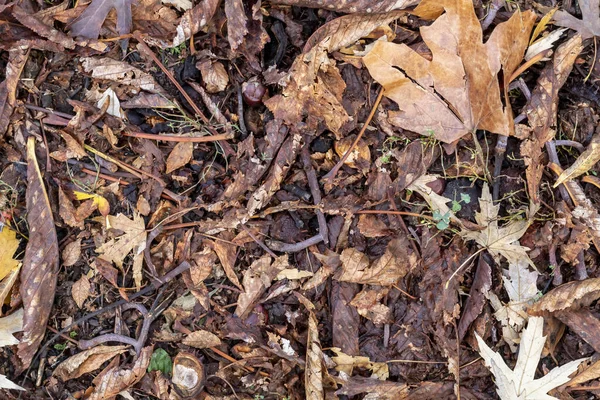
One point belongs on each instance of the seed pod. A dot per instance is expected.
(188, 375)
(253, 92)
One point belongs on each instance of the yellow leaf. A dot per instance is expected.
(8, 246)
(99, 201)
(584, 162)
(542, 25)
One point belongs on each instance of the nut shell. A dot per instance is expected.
(188, 375)
(253, 92)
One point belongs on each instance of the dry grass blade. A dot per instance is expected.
(41, 263)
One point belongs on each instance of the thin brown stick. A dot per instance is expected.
(407, 213)
(233, 360)
(176, 138)
(313, 184)
(260, 243)
(331, 174)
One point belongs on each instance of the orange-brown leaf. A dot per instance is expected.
(40, 266)
(86, 361)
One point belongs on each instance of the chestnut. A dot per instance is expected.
(253, 92)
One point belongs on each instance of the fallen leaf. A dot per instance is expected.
(359, 158)
(541, 111)
(7, 283)
(8, 245)
(201, 339)
(117, 379)
(120, 72)
(368, 304)
(17, 57)
(499, 240)
(393, 265)
(182, 5)
(214, 75)
(313, 374)
(81, 290)
(520, 383)
(180, 155)
(584, 162)
(86, 361)
(195, 19)
(570, 296)
(227, 254)
(89, 23)
(100, 202)
(41, 262)
(293, 274)
(236, 23)
(458, 91)
(352, 6)
(114, 105)
(588, 26)
(8, 384)
(345, 363)
(9, 325)
(371, 226)
(132, 239)
(520, 284)
(47, 31)
(482, 283)
(71, 253)
(257, 279)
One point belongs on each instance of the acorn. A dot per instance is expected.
(188, 375)
(253, 92)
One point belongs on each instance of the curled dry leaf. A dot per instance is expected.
(570, 296)
(257, 279)
(7, 283)
(359, 158)
(227, 254)
(541, 111)
(194, 20)
(313, 374)
(89, 23)
(201, 339)
(120, 72)
(132, 239)
(36, 25)
(393, 265)
(40, 266)
(584, 162)
(520, 383)
(117, 379)
(352, 6)
(214, 75)
(368, 304)
(86, 361)
(458, 91)
(345, 363)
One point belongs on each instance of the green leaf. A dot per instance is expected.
(437, 215)
(456, 207)
(442, 225)
(160, 361)
(465, 198)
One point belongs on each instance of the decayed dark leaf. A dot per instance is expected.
(194, 20)
(236, 22)
(572, 295)
(588, 26)
(8, 88)
(86, 361)
(345, 317)
(117, 379)
(541, 111)
(89, 23)
(352, 6)
(458, 90)
(584, 323)
(476, 300)
(40, 266)
(42, 29)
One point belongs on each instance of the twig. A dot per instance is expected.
(331, 174)
(184, 266)
(240, 111)
(570, 143)
(295, 247)
(177, 138)
(407, 213)
(495, 5)
(260, 243)
(313, 184)
(553, 158)
(226, 147)
(580, 270)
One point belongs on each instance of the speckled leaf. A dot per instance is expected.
(40, 266)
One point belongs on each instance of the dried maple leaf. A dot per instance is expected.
(520, 284)
(89, 23)
(520, 383)
(132, 239)
(41, 262)
(458, 90)
(588, 26)
(498, 240)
